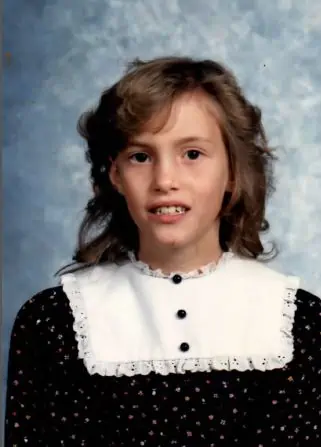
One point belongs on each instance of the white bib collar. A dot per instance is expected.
(238, 316)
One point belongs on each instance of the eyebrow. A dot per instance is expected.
(184, 140)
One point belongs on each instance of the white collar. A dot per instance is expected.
(239, 316)
(201, 271)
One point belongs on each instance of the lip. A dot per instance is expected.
(167, 218)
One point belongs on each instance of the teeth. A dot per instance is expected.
(170, 210)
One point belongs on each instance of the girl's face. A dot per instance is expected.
(185, 163)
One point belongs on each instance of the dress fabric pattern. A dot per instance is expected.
(52, 400)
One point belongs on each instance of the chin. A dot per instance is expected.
(171, 241)
(168, 237)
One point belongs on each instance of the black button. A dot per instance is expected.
(177, 279)
(181, 313)
(184, 347)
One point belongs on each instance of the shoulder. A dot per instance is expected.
(305, 307)
(307, 298)
(91, 274)
(308, 307)
(257, 279)
(307, 323)
(54, 302)
(89, 280)
(50, 297)
(253, 271)
(42, 307)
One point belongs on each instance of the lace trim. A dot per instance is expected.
(288, 314)
(181, 366)
(201, 271)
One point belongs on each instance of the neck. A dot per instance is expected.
(183, 260)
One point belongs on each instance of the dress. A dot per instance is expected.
(121, 355)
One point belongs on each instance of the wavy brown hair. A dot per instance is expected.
(107, 231)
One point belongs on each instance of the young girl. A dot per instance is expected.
(170, 329)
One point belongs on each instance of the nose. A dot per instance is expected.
(165, 176)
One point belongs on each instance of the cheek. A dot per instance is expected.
(210, 195)
(134, 197)
(212, 187)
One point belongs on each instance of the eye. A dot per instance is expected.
(193, 154)
(138, 157)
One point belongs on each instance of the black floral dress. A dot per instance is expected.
(52, 400)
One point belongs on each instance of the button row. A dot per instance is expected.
(181, 313)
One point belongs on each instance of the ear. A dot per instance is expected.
(114, 176)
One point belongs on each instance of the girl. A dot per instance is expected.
(170, 329)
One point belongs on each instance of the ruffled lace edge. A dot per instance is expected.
(180, 366)
(201, 271)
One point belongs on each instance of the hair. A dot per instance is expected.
(150, 87)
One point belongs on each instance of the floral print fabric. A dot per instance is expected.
(52, 400)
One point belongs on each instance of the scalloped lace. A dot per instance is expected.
(201, 271)
(180, 365)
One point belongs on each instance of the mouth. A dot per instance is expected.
(172, 210)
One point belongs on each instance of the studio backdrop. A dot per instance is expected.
(60, 54)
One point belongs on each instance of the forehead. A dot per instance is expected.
(192, 113)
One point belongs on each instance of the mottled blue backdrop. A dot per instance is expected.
(60, 54)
